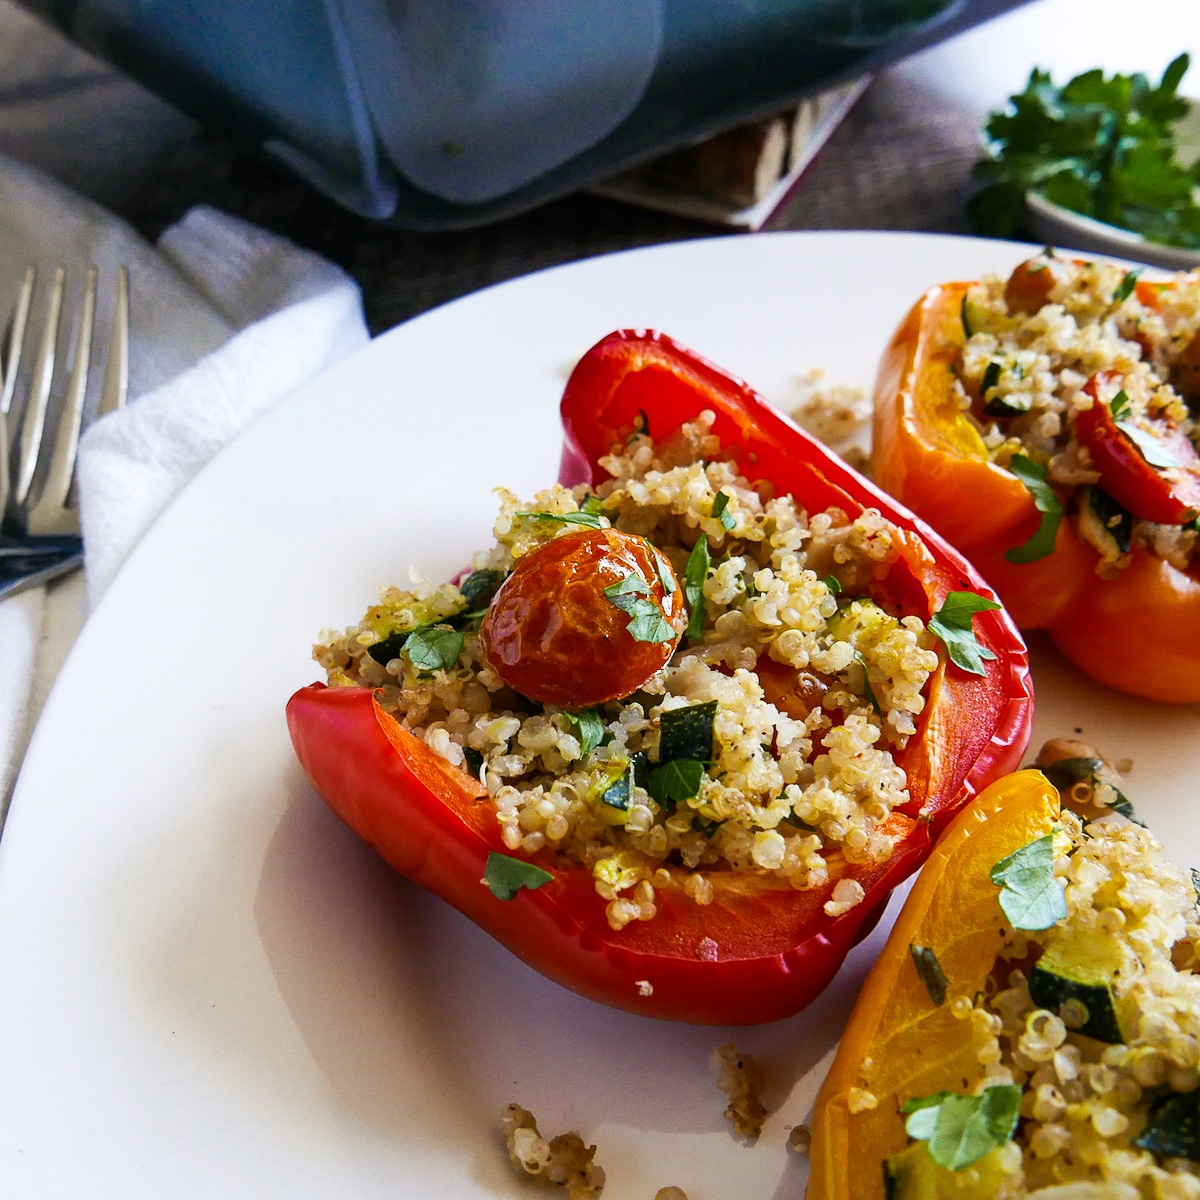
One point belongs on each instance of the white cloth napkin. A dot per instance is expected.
(226, 320)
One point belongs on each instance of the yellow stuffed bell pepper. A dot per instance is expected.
(900, 1045)
(1032, 1028)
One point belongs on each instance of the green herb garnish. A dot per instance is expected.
(696, 573)
(590, 520)
(434, 647)
(1117, 523)
(960, 1130)
(991, 377)
(1067, 772)
(391, 647)
(474, 760)
(590, 725)
(953, 624)
(675, 781)
(1126, 286)
(867, 690)
(930, 971)
(832, 585)
(1030, 895)
(1100, 146)
(1045, 500)
(665, 575)
(646, 620)
(505, 876)
(1119, 404)
(720, 506)
(687, 732)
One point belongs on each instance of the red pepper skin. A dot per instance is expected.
(761, 950)
(1167, 496)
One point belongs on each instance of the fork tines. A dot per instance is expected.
(35, 484)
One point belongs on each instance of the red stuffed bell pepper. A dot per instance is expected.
(1044, 425)
(756, 948)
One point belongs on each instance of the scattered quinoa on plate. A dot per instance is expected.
(768, 689)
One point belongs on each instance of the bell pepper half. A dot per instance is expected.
(761, 950)
(1139, 632)
(899, 1044)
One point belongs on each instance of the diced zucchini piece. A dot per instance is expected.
(1084, 970)
(1104, 524)
(687, 732)
(1174, 1129)
(973, 315)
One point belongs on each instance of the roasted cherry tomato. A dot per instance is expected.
(564, 627)
(1165, 495)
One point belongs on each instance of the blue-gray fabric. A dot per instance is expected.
(449, 113)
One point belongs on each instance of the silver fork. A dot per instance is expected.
(40, 538)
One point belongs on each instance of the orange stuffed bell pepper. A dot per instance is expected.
(683, 728)
(1045, 426)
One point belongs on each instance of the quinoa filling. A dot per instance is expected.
(1035, 340)
(802, 685)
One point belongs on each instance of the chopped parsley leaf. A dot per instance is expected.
(952, 623)
(1030, 895)
(434, 648)
(930, 971)
(698, 565)
(665, 574)
(505, 877)
(675, 781)
(1045, 500)
(590, 725)
(589, 520)
(1126, 286)
(720, 508)
(960, 1130)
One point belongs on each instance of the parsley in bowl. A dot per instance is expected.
(1103, 163)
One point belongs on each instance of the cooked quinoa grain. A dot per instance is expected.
(739, 1078)
(801, 686)
(564, 1160)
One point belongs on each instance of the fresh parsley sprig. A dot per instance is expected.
(1103, 146)
(1031, 897)
(1046, 501)
(952, 623)
(646, 621)
(959, 1130)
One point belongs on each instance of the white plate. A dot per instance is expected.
(208, 986)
